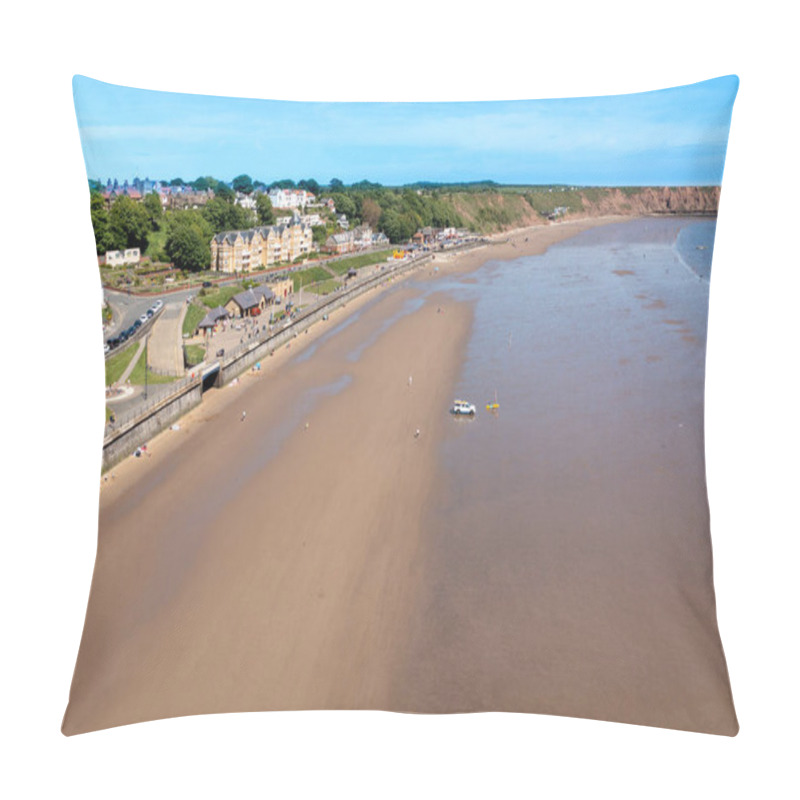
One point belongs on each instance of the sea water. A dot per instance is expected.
(570, 508)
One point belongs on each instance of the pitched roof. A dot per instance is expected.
(213, 316)
(252, 297)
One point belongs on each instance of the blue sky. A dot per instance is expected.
(668, 137)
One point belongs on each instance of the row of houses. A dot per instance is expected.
(181, 197)
(359, 238)
(429, 235)
(255, 248)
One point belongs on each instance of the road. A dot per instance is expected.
(127, 308)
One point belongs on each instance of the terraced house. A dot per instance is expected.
(244, 251)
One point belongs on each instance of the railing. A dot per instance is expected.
(158, 393)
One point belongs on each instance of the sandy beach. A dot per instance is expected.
(277, 562)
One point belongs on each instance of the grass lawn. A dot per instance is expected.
(309, 276)
(193, 354)
(137, 375)
(194, 315)
(325, 287)
(117, 364)
(354, 262)
(220, 297)
(156, 240)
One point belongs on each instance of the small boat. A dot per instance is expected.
(463, 408)
(493, 406)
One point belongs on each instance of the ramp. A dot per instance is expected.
(165, 348)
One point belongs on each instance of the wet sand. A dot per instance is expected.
(273, 563)
(567, 557)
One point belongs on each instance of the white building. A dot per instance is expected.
(290, 198)
(247, 201)
(123, 258)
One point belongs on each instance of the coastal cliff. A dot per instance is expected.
(493, 211)
(652, 200)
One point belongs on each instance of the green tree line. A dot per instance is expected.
(184, 235)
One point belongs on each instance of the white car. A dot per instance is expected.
(463, 408)
(143, 318)
(157, 305)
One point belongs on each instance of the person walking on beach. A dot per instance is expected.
(244, 414)
(409, 380)
(416, 433)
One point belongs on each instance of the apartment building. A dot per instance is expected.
(256, 248)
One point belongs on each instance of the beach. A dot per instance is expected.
(275, 552)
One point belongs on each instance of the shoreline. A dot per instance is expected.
(515, 243)
(235, 535)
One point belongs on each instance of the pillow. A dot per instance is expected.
(404, 407)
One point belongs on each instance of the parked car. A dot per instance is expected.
(143, 319)
(106, 348)
(157, 305)
(207, 284)
(150, 313)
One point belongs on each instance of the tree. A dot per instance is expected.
(188, 240)
(319, 235)
(310, 185)
(370, 212)
(102, 235)
(344, 205)
(264, 212)
(155, 213)
(200, 185)
(225, 216)
(128, 224)
(398, 227)
(224, 192)
(177, 182)
(336, 185)
(243, 184)
(187, 249)
(286, 183)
